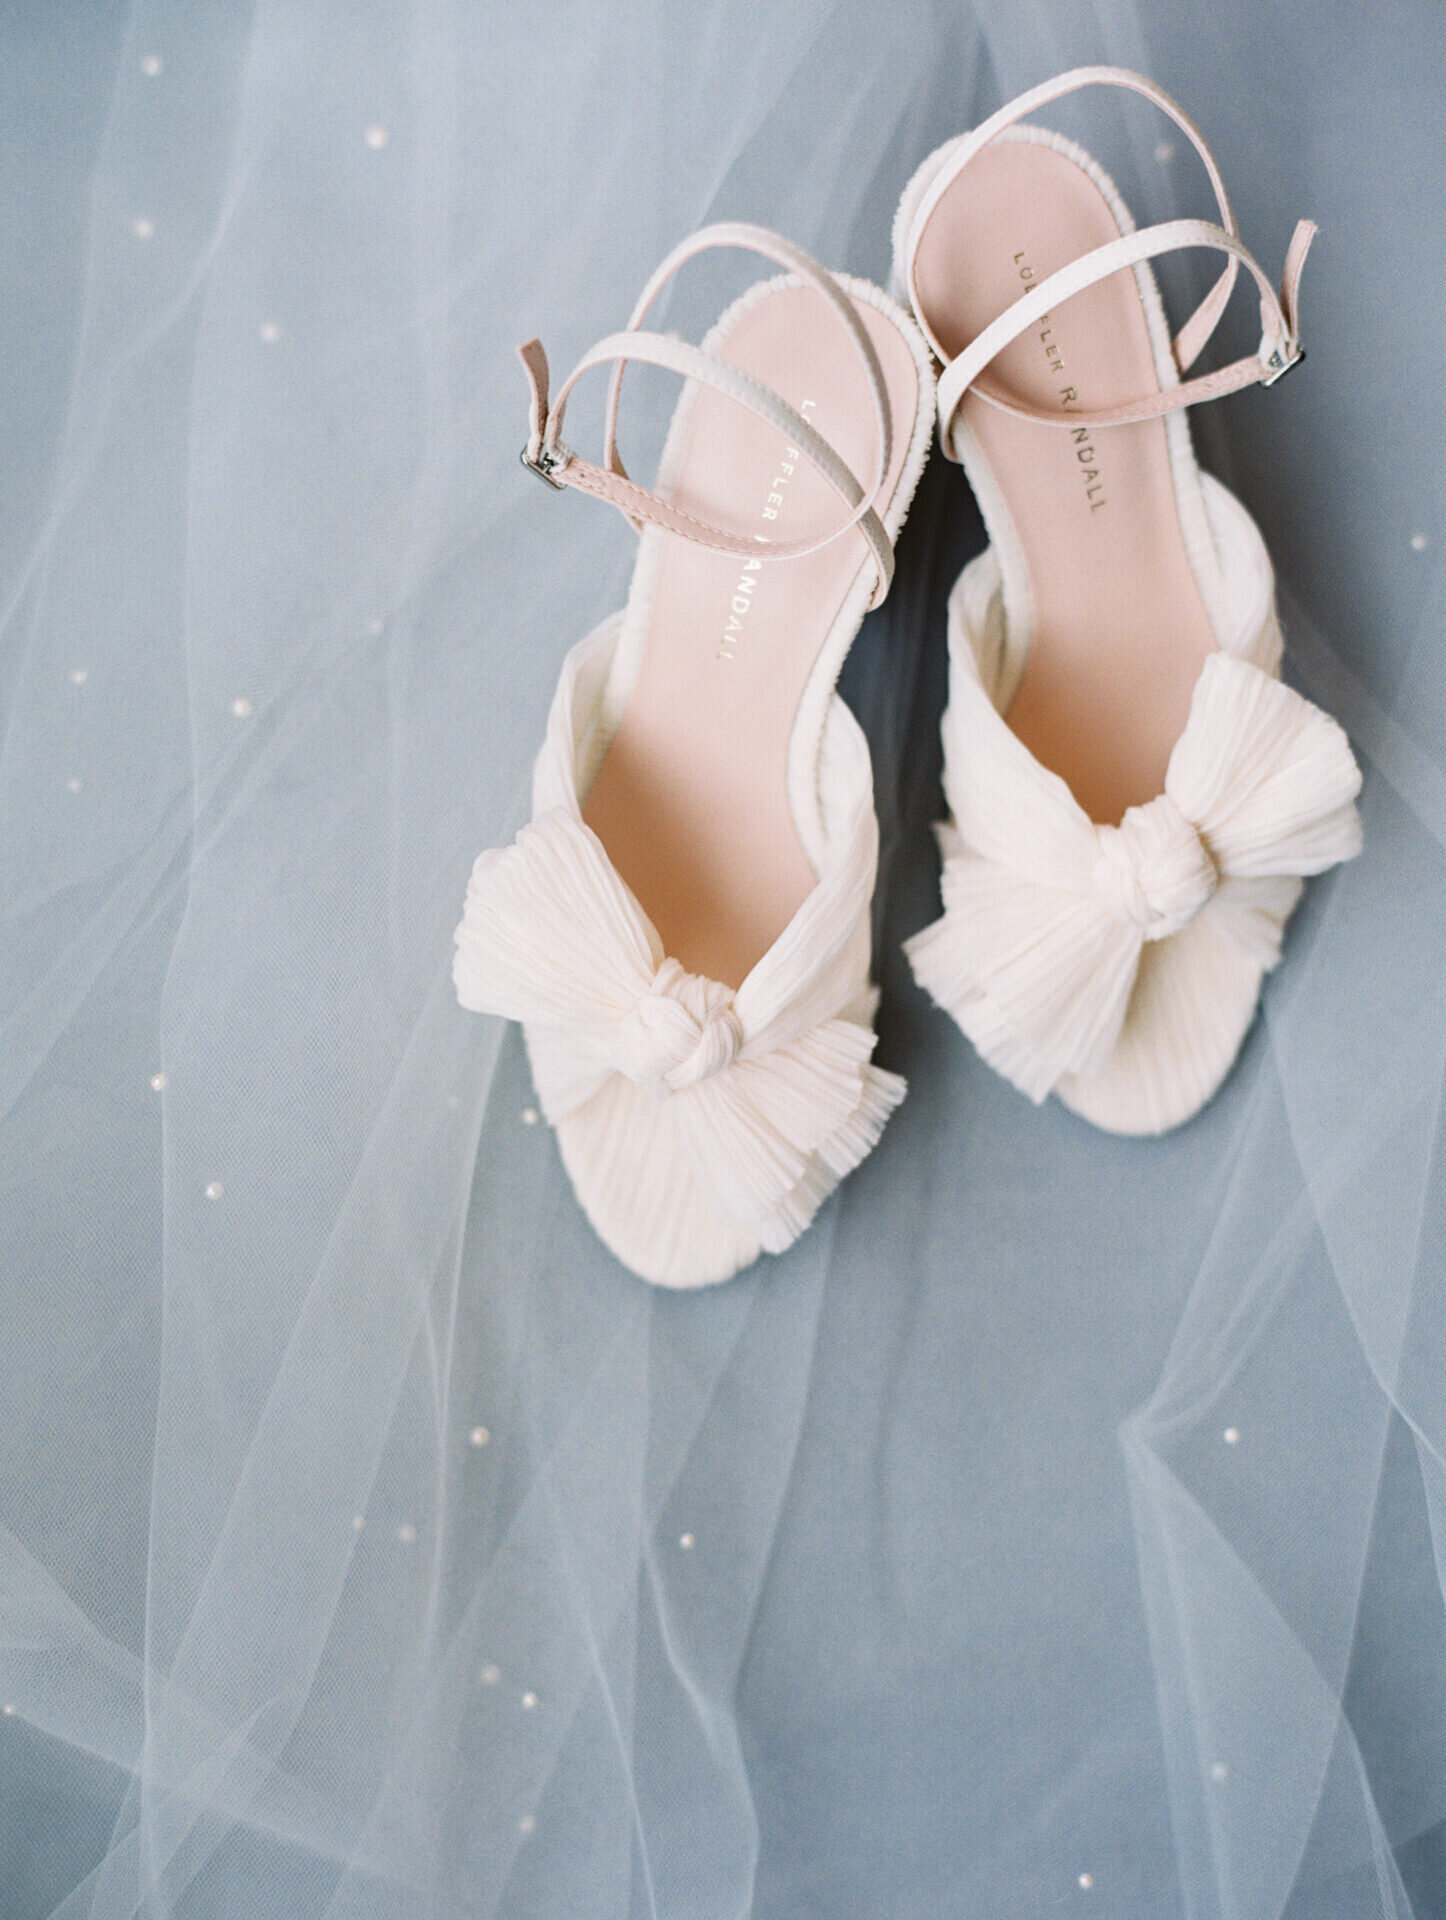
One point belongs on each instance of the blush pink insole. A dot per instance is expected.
(691, 800)
(1119, 631)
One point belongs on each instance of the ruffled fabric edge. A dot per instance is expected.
(629, 1167)
(633, 1157)
(1195, 993)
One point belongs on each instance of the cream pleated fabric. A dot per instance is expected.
(1120, 966)
(700, 1126)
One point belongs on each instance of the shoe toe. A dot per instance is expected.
(635, 1183)
(1193, 1001)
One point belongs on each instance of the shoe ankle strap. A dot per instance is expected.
(1202, 323)
(1280, 348)
(546, 454)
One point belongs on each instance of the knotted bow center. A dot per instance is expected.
(681, 1031)
(1154, 870)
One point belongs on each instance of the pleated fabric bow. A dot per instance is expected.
(767, 1097)
(1046, 915)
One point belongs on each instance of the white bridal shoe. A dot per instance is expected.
(683, 928)
(1134, 795)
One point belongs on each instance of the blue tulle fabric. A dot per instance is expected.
(1059, 1527)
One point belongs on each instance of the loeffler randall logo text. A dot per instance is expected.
(1068, 397)
(739, 605)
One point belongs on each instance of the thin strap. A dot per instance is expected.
(1206, 317)
(678, 356)
(771, 246)
(560, 466)
(1279, 349)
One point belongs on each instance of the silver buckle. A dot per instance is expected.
(549, 461)
(1282, 357)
